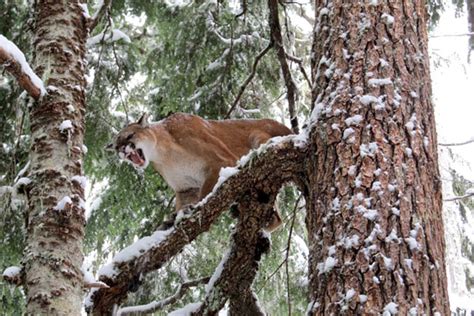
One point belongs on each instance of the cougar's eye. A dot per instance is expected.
(130, 136)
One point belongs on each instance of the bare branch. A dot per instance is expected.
(453, 35)
(98, 15)
(244, 9)
(291, 90)
(457, 198)
(299, 61)
(458, 144)
(249, 78)
(157, 305)
(14, 68)
(283, 156)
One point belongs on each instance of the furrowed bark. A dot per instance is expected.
(374, 208)
(53, 255)
(282, 156)
(14, 68)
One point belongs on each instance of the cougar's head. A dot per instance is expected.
(131, 142)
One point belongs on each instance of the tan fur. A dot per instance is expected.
(189, 151)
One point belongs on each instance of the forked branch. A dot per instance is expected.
(124, 275)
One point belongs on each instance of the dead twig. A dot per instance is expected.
(249, 78)
(157, 305)
(291, 90)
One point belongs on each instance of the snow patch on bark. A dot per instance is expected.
(66, 125)
(82, 180)
(390, 309)
(62, 204)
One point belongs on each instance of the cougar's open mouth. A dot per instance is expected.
(135, 155)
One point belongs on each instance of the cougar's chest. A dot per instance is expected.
(182, 172)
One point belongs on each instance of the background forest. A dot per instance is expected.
(208, 58)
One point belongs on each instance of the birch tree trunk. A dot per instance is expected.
(55, 219)
(374, 207)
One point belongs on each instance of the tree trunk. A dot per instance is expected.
(55, 219)
(374, 208)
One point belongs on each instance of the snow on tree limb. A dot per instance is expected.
(283, 156)
(108, 37)
(15, 63)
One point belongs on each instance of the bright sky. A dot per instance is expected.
(453, 84)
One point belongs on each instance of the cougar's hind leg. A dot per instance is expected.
(186, 197)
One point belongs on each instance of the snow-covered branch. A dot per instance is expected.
(14, 61)
(157, 305)
(151, 253)
(108, 37)
(243, 38)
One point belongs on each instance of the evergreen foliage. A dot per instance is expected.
(181, 58)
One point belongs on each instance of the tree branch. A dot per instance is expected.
(457, 198)
(249, 78)
(157, 305)
(123, 275)
(299, 61)
(234, 277)
(291, 91)
(98, 15)
(457, 144)
(14, 67)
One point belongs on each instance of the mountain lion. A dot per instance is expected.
(188, 151)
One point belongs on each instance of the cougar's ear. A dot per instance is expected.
(143, 121)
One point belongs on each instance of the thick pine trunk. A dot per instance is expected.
(53, 257)
(374, 207)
